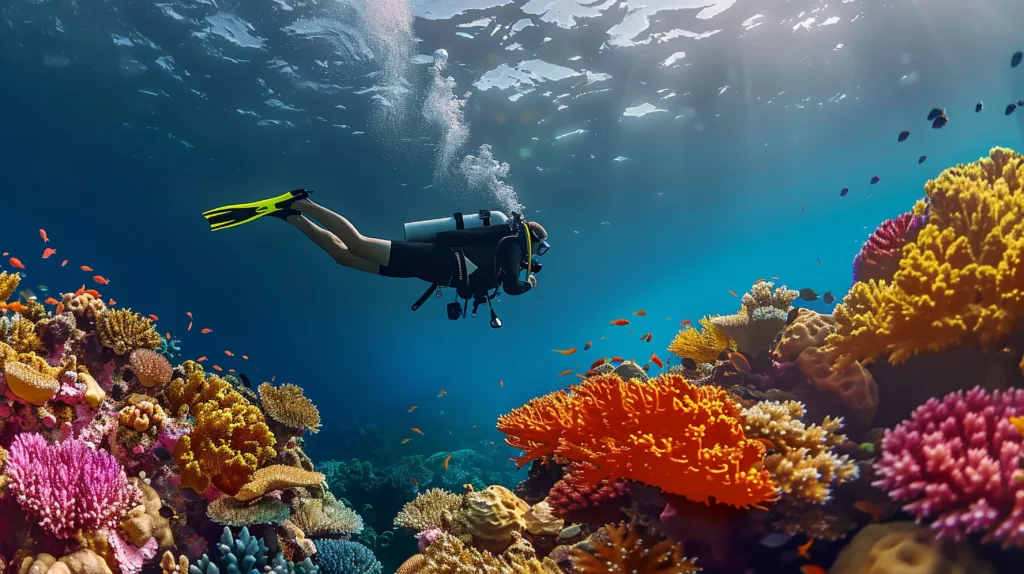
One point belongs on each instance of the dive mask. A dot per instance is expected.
(543, 247)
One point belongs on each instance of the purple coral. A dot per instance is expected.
(880, 256)
(954, 461)
(68, 486)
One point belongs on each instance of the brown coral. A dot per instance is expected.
(448, 555)
(434, 508)
(22, 337)
(541, 520)
(123, 331)
(491, 516)
(145, 521)
(83, 561)
(759, 320)
(703, 346)
(83, 305)
(169, 566)
(278, 477)
(289, 406)
(808, 329)
(853, 383)
(627, 551)
(151, 368)
(325, 517)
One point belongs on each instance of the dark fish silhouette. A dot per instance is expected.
(245, 381)
(808, 294)
(162, 453)
(690, 364)
(903, 136)
(828, 298)
(1020, 103)
(978, 107)
(844, 191)
(921, 159)
(875, 180)
(166, 512)
(1011, 108)
(936, 112)
(794, 313)
(1016, 58)
(939, 122)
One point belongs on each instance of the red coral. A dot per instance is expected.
(576, 500)
(879, 258)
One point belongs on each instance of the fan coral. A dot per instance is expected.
(28, 384)
(759, 320)
(289, 406)
(804, 465)
(879, 258)
(231, 512)
(324, 517)
(151, 368)
(626, 551)
(668, 433)
(68, 486)
(959, 282)
(434, 508)
(277, 477)
(703, 346)
(448, 555)
(491, 516)
(124, 331)
(954, 461)
(572, 497)
(345, 556)
(8, 285)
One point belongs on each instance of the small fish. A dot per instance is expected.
(616, 359)
(17, 307)
(245, 380)
(657, 360)
(1018, 423)
(903, 136)
(588, 374)
(474, 426)
(875, 180)
(565, 351)
(246, 357)
(168, 336)
(647, 367)
(978, 107)
(875, 510)
(620, 322)
(165, 511)
(644, 336)
(206, 331)
(86, 268)
(649, 337)
(415, 483)
(153, 317)
(640, 313)
(411, 408)
(63, 263)
(760, 280)
(48, 252)
(739, 360)
(733, 293)
(60, 308)
(189, 313)
(804, 550)
(93, 292)
(42, 234)
(844, 191)
(447, 459)
(803, 207)
(405, 440)
(1016, 58)
(588, 346)
(81, 291)
(1011, 108)
(201, 359)
(565, 372)
(768, 444)
(812, 569)
(111, 302)
(775, 277)
(16, 263)
(416, 430)
(922, 159)
(442, 393)
(808, 294)
(598, 363)
(229, 353)
(217, 368)
(51, 301)
(819, 262)
(828, 298)
(940, 122)
(501, 383)
(685, 322)
(936, 112)
(570, 531)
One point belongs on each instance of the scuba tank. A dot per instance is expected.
(427, 230)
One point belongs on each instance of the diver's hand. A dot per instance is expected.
(532, 280)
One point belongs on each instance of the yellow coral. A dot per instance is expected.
(8, 285)
(142, 415)
(277, 477)
(324, 517)
(753, 328)
(28, 384)
(434, 508)
(287, 405)
(960, 282)
(448, 555)
(22, 336)
(491, 516)
(125, 331)
(702, 346)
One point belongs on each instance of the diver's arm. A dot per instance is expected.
(509, 256)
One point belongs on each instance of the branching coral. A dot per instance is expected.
(572, 497)
(879, 258)
(760, 319)
(124, 331)
(953, 462)
(22, 337)
(668, 433)
(960, 282)
(289, 406)
(68, 486)
(245, 554)
(8, 285)
(804, 465)
(703, 346)
(434, 508)
(627, 551)
(229, 511)
(325, 517)
(448, 555)
(277, 477)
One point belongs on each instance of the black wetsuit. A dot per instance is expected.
(496, 252)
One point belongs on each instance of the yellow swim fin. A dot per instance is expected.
(232, 215)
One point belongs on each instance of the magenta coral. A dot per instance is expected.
(68, 486)
(879, 258)
(954, 462)
(575, 499)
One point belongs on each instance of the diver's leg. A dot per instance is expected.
(369, 248)
(332, 245)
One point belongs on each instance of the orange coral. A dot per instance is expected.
(626, 551)
(682, 438)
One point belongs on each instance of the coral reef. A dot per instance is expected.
(879, 258)
(123, 331)
(449, 555)
(627, 551)
(906, 548)
(753, 328)
(345, 556)
(702, 346)
(322, 517)
(434, 508)
(289, 406)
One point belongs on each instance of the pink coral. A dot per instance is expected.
(954, 461)
(574, 499)
(879, 258)
(68, 486)
(130, 559)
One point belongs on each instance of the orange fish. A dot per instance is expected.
(231, 370)
(189, 313)
(644, 336)
(740, 361)
(446, 460)
(17, 307)
(405, 440)
(206, 331)
(417, 431)
(759, 281)
(153, 317)
(168, 336)
(616, 360)
(48, 252)
(501, 383)
(591, 373)
(86, 268)
(229, 353)
(804, 550)
(216, 368)
(81, 291)
(63, 263)
(201, 359)
(442, 393)
(51, 301)
(15, 262)
(588, 346)
(565, 351)
(812, 569)
(565, 372)
(581, 377)
(768, 444)
(246, 357)
(101, 279)
(620, 322)
(733, 293)
(411, 408)
(93, 292)
(111, 302)
(60, 308)
(640, 313)
(875, 510)
(42, 234)
(685, 322)
(656, 360)
(598, 363)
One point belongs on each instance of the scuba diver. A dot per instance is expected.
(477, 254)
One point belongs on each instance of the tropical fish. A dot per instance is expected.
(51, 301)
(201, 359)
(415, 483)
(935, 112)
(644, 336)
(86, 268)
(844, 191)
(111, 302)
(168, 336)
(416, 430)
(685, 322)
(246, 357)
(875, 180)
(587, 346)
(17, 307)
(733, 293)
(217, 368)
(16, 263)
(808, 294)
(229, 353)
(42, 234)
(940, 122)
(903, 136)
(922, 159)
(581, 377)
(620, 322)
(647, 367)
(501, 383)
(405, 440)
(598, 362)
(63, 263)
(804, 550)
(616, 359)
(812, 569)
(828, 298)
(819, 262)
(759, 281)
(1011, 108)
(93, 292)
(153, 317)
(1018, 423)
(640, 313)
(165, 511)
(570, 531)
(739, 360)
(657, 360)
(442, 393)
(775, 277)
(978, 107)
(565, 351)
(60, 308)
(1016, 58)
(565, 372)
(231, 370)
(81, 291)
(447, 459)
(206, 330)
(768, 444)
(875, 510)
(101, 279)
(48, 252)
(411, 408)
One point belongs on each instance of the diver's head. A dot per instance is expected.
(538, 238)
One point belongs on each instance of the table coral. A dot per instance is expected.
(953, 462)
(759, 320)
(228, 511)
(960, 280)
(325, 517)
(289, 406)
(434, 508)
(124, 331)
(627, 551)
(277, 477)
(682, 438)
(702, 346)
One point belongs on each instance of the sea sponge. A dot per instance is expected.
(83, 561)
(229, 511)
(906, 548)
(124, 331)
(703, 346)
(759, 320)
(448, 555)
(289, 406)
(808, 329)
(29, 384)
(879, 258)
(278, 477)
(804, 464)
(960, 282)
(145, 521)
(433, 508)
(682, 438)
(142, 415)
(94, 393)
(8, 285)
(151, 368)
(491, 516)
(627, 551)
(325, 517)
(22, 337)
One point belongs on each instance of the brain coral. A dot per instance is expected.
(289, 406)
(491, 516)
